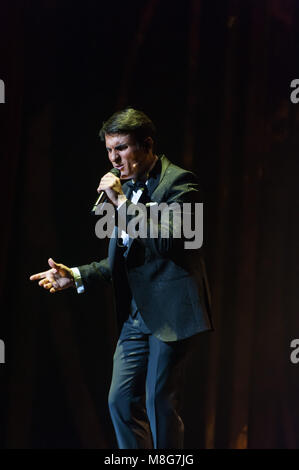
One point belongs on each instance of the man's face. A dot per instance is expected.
(125, 154)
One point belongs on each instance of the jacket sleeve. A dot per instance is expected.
(95, 272)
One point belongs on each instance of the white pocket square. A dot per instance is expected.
(149, 204)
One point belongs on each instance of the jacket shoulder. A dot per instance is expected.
(175, 172)
(176, 183)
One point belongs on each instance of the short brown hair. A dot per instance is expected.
(129, 121)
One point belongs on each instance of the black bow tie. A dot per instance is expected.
(136, 185)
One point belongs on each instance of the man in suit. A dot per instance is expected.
(160, 288)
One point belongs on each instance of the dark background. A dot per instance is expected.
(214, 75)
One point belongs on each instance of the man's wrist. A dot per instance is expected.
(121, 200)
(72, 278)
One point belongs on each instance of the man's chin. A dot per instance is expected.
(126, 176)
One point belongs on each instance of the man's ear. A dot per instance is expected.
(148, 144)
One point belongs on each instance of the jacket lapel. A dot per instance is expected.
(158, 191)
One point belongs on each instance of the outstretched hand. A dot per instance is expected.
(59, 277)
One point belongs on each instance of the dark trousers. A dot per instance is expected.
(145, 390)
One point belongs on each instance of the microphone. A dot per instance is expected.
(102, 197)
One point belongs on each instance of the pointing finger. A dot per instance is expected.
(37, 276)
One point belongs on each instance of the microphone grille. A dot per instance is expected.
(116, 172)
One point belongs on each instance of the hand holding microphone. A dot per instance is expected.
(109, 188)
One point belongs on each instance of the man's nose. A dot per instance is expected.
(114, 156)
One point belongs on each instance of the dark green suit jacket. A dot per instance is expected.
(167, 281)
